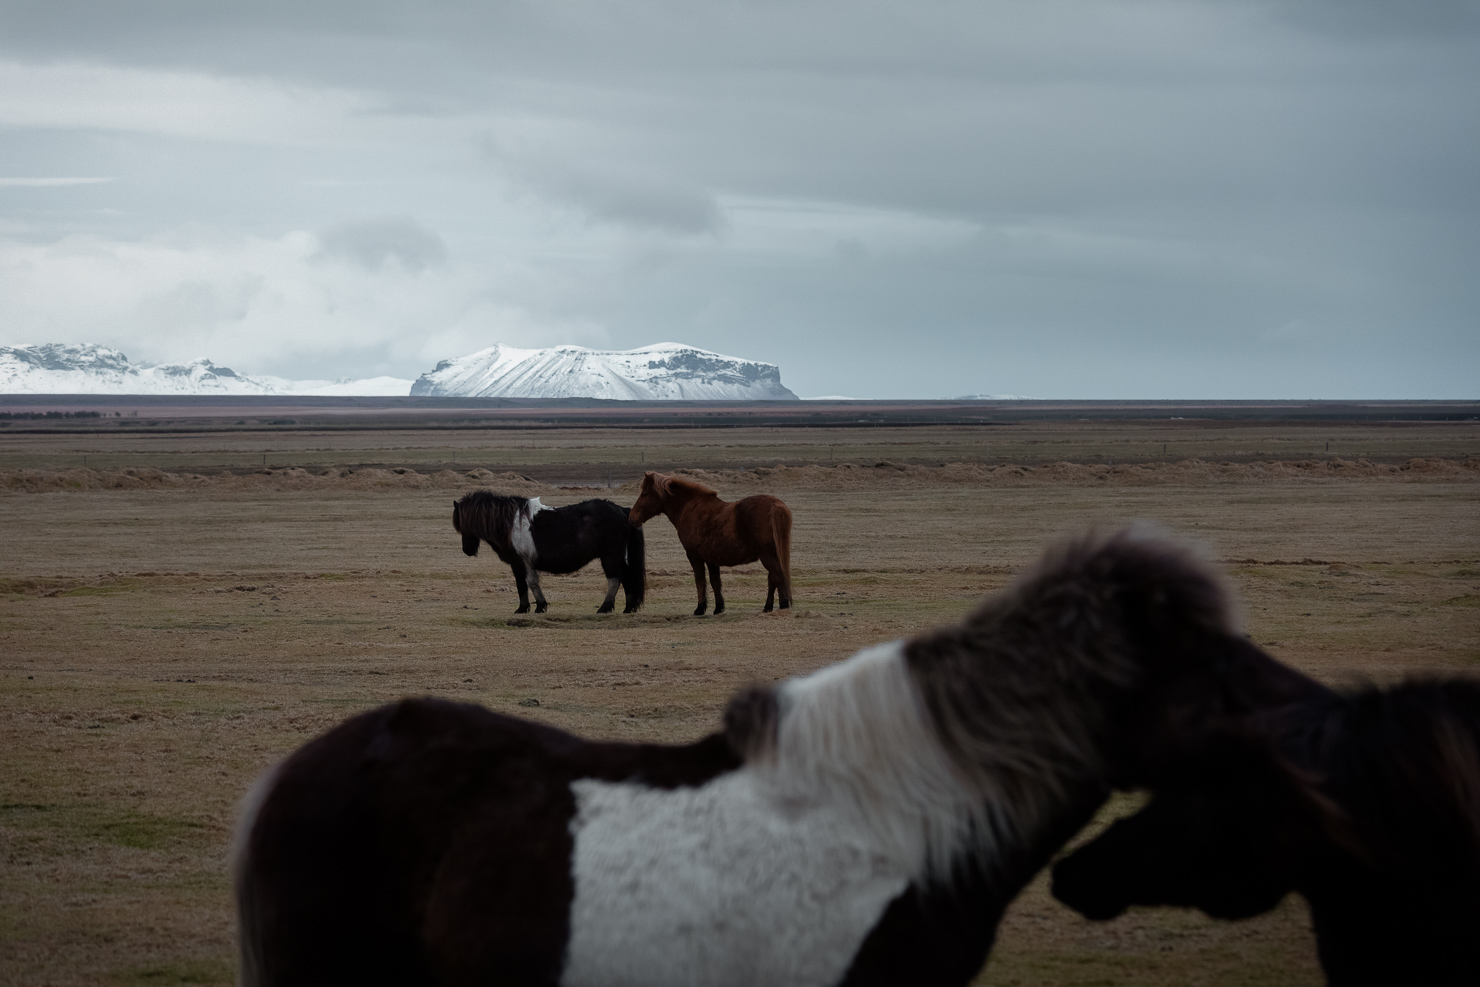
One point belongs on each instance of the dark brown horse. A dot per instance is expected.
(716, 532)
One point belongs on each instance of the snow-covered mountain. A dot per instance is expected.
(61, 368)
(662, 372)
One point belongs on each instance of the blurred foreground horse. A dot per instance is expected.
(715, 532)
(532, 538)
(865, 824)
(1366, 802)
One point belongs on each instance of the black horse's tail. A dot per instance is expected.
(634, 573)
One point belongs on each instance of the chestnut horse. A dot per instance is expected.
(715, 532)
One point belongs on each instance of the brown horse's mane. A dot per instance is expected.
(668, 484)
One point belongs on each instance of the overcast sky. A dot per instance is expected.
(1086, 198)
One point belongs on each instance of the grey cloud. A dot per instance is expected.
(607, 190)
(1383, 19)
(371, 243)
(1163, 189)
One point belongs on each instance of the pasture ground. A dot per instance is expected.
(163, 641)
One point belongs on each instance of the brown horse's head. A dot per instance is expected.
(470, 541)
(650, 498)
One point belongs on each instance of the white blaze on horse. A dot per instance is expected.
(532, 538)
(865, 824)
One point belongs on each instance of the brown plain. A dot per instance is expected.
(167, 633)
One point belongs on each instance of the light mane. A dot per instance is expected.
(667, 483)
(856, 736)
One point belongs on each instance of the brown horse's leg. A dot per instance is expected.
(773, 578)
(698, 565)
(719, 596)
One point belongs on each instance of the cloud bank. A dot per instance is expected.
(1097, 198)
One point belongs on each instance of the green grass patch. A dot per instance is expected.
(76, 826)
(107, 589)
(214, 970)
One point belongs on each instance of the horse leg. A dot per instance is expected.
(698, 565)
(540, 606)
(719, 596)
(523, 586)
(773, 579)
(612, 569)
(609, 604)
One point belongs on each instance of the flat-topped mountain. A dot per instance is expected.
(665, 371)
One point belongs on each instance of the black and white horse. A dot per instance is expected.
(1366, 803)
(532, 538)
(865, 824)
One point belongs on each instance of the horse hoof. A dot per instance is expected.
(765, 609)
(542, 608)
(522, 610)
(718, 611)
(630, 610)
(700, 612)
(603, 609)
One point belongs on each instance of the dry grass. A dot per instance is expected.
(160, 647)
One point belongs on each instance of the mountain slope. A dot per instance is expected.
(662, 372)
(62, 368)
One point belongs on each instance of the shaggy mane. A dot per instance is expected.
(1020, 692)
(665, 483)
(490, 516)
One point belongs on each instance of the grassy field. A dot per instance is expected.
(160, 647)
(583, 455)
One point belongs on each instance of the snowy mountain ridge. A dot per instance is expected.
(665, 371)
(86, 368)
(661, 372)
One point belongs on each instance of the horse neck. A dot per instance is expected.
(678, 506)
(859, 736)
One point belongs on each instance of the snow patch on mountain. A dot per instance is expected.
(63, 368)
(662, 372)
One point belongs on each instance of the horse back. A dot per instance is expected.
(429, 841)
(733, 532)
(566, 538)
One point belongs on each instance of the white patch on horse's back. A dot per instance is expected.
(774, 874)
(718, 885)
(535, 506)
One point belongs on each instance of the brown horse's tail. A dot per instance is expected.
(781, 535)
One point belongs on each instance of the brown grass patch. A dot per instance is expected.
(162, 644)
